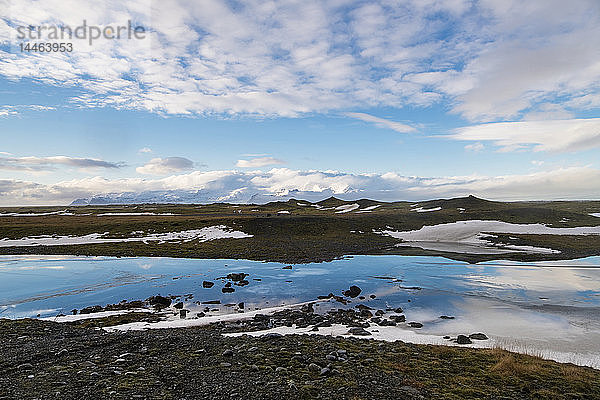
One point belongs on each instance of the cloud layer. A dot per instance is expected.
(165, 166)
(50, 163)
(551, 135)
(486, 59)
(258, 162)
(284, 183)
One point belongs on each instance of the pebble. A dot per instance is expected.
(228, 353)
(314, 367)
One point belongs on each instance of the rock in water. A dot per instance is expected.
(462, 339)
(478, 336)
(207, 284)
(237, 276)
(159, 301)
(354, 291)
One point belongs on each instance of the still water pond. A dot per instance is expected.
(549, 308)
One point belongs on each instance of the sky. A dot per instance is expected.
(389, 100)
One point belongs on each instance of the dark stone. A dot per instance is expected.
(182, 314)
(462, 339)
(271, 335)
(357, 331)
(179, 305)
(287, 267)
(446, 337)
(212, 302)
(241, 305)
(372, 296)
(354, 291)
(227, 290)
(446, 317)
(207, 284)
(398, 318)
(478, 336)
(399, 310)
(95, 309)
(227, 353)
(415, 324)
(379, 313)
(237, 276)
(156, 302)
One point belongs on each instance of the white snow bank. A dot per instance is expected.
(131, 214)
(100, 314)
(595, 215)
(368, 209)
(283, 212)
(421, 209)
(63, 212)
(203, 235)
(346, 208)
(176, 322)
(387, 333)
(471, 233)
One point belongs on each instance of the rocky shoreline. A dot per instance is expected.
(47, 360)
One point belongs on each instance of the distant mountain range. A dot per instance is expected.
(204, 197)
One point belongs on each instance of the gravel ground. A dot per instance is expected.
(47, 360)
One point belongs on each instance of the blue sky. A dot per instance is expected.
(390, 100)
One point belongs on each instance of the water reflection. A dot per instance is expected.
(550, 306)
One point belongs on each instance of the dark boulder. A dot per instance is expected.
(478, 336)
(207, 284)
(462, 339)
(157, 302)
(354, 291)
(358, 331)
(237, 276)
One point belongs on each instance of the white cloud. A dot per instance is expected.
(475, 147)
(145, 150)
(551, 135)
(165, 166)
(489, 59)
(381, 122)
(50, 163)
(283, 183)
(258, 162)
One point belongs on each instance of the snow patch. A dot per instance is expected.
(203, 235)
(131, 214)
(346, 208)
(421, 209)
(471, 234)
